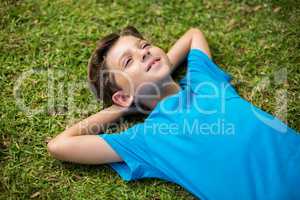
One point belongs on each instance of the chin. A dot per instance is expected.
(162, 72)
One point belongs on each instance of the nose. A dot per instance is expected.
(145, 54)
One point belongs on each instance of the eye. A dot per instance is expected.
(145, 45)
(127, 62)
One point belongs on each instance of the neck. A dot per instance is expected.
(167, 87)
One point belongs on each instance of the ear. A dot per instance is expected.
(122, 99)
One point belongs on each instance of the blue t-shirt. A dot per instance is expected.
(211, 141)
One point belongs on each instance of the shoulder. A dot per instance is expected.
(198, 55)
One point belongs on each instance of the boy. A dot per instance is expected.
(199, 133)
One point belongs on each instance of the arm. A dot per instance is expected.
(79, 143)
(193, 38)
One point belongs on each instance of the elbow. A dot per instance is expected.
(53, 147)
(196, 31)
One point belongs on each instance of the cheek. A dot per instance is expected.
(163, 55)
(130, 79)
(135, 72)
(123, 80)
(167, 60)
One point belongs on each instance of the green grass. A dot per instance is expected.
(53, 40)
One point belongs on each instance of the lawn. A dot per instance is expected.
(44, 49)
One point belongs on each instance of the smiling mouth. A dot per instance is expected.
(152, 63)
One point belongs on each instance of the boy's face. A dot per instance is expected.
(137, 63)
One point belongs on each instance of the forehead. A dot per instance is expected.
(123, 44)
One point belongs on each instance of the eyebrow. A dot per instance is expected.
(121, 57)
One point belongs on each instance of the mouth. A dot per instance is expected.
(152, 63)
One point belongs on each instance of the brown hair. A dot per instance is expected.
(104, 86)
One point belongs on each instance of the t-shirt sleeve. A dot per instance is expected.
(202, 68)
(130, 146)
